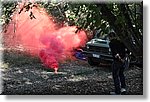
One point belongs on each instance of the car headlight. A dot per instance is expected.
(109, 51)
(87, 46)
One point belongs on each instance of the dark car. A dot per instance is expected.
(98, 50)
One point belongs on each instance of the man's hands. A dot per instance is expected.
(118, 56)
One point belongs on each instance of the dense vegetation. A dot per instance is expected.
(126, 19)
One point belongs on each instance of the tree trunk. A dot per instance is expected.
(124, 31)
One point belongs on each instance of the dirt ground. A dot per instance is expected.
(23, 74)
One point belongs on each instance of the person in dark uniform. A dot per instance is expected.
(118, 50)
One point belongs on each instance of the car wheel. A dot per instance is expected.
(93, 62)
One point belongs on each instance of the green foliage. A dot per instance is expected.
(126, 19)
(7, 9)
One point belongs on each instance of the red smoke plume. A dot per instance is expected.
(40, 36)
